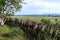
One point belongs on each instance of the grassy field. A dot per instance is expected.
(36, 18)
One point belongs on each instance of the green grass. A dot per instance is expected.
(11, 33)
(4, 29)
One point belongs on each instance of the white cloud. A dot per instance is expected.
(41, 6)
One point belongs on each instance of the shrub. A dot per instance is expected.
(11, 33)
(4, 38)
(56, 19)
(46, 21)
(15, 31)
(4, 29)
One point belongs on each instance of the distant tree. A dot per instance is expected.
(49, 15)
(10, 6)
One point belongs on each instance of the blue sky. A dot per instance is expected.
(34, 7)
